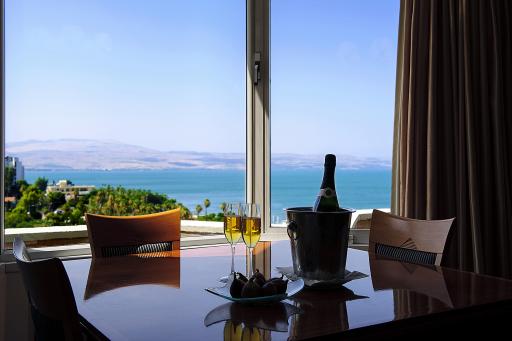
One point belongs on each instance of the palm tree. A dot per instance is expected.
(222, 207)
(199, 208)
(206, 205)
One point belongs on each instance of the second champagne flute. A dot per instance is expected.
(251, 229)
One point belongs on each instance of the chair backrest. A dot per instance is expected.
(50, 296)
(120, 236)
(410, 240)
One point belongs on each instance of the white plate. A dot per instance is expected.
(292, 288)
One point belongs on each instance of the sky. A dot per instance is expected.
(170, 75)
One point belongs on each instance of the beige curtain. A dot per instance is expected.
(452, 153)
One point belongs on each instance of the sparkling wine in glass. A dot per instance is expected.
(232, 229)
(251, 229)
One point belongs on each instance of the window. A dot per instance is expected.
(121, 107)
(333, 66)
(173, 97)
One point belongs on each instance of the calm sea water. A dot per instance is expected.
(289, 188)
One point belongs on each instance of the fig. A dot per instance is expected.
(278, 315)
(242, 277)
(251, 289)
(280, 284)
(236, 287)
(259, 278)
(269, 289)
(275, 278)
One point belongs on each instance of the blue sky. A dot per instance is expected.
(170, 74)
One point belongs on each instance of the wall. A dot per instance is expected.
(15, 320)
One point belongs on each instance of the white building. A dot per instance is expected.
(69, 189)
(14, 162)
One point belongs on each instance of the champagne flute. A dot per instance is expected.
(251, 229)
(232, 228)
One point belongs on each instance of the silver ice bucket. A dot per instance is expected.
(319, 242)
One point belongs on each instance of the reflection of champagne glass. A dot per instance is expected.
(232, 331)
(251, 229)
(250, 333)
(232, 228)
(237, 331)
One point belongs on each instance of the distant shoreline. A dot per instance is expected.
(192, 169)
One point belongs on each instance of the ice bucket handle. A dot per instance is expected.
(292, 230)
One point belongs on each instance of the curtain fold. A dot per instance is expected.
(453, 126)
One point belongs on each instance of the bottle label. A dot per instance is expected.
(327, 193)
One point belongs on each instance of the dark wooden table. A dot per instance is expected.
(132, 298)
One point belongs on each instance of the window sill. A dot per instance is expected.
(208, 233)
(83, 250)
(71, 241)
(80, 231)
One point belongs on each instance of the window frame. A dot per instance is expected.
(2, 128)
(258, 153)
(258, 109)
(257, 186)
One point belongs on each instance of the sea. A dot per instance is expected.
(358, 189)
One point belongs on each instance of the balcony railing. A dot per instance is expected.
(193, 231)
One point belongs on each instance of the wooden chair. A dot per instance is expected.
(410, 240)
(120, 236)
(50, 296)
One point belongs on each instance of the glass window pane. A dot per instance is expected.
(122, 107)
(332, 89)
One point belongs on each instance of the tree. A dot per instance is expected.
(16, 219)
(212, 217)
(21, 185)
(31, 202)
(199, 208)
(76, 217)
(156, 199)
(34, 204)
(55, 200)
(13, 188)
(10, 184)
(121, 201)
(206, 205)
(222, 207)
(41, 183)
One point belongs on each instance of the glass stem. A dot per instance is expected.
(232, 258)
(250, 262)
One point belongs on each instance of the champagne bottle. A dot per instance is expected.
(327, 201)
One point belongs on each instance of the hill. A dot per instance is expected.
(80, 154)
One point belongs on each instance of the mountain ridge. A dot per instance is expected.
(87, 154)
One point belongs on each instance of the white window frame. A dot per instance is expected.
(257, 187)
(258, 151)
(258, 108)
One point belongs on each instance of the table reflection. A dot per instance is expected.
(415, 286)
(106, 274)
(323, 310)
(239, 332)
(255, 320)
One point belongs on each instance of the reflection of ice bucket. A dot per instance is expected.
(319, 242)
